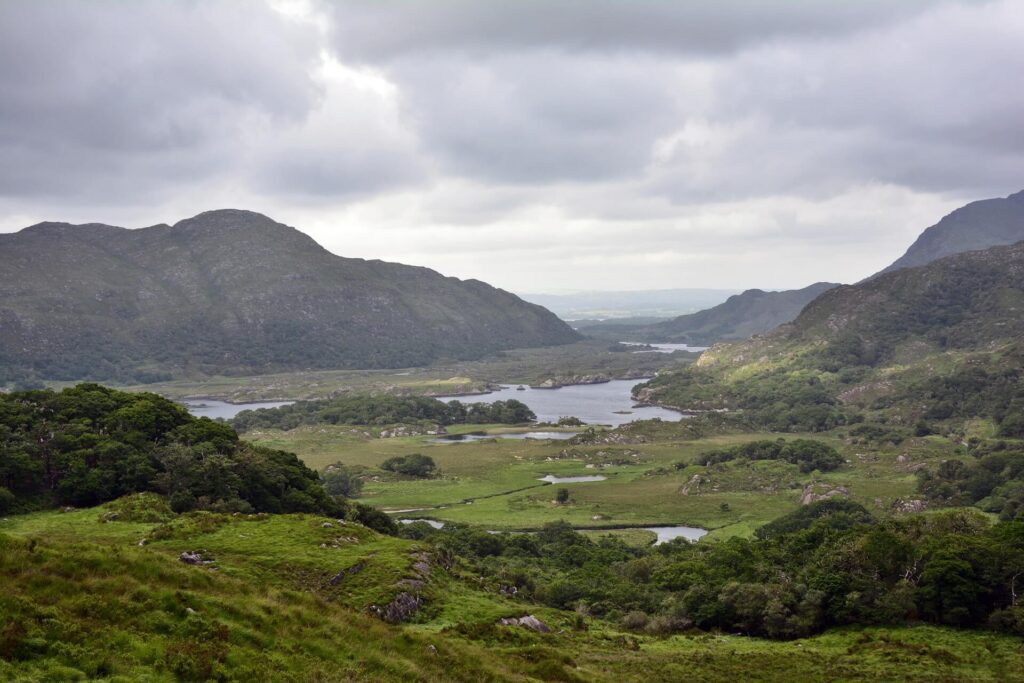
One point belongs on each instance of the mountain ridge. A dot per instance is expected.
(975, 226)
(231, 291)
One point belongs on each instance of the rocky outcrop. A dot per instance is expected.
(816, 491)
(529, 621)
(910, 506)
(399, 610)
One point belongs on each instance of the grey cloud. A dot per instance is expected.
(140, 95)
(382, 29)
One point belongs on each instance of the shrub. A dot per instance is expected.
(412, 465)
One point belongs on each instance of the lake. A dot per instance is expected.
(665, 348)
(552, 479)
(539, 436)
(610, 403)
(207, 407)
(667, 533)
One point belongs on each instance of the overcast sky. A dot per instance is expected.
(540, 145)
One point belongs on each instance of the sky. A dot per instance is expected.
(539, 145)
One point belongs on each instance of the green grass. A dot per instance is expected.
(642, 488)
(83, 601)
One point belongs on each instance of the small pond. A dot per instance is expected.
(552, 479)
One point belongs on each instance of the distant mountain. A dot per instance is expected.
(940, 340)
(965, 300)
(611, 305)
(978, 225)
(739, 317)
(234, 292)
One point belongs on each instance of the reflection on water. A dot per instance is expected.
(609, 403)
(207, 407)
(481, 436)
(432, 522)
(667, 533)
(571, 480)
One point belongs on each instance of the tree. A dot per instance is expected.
(562, 496)
(412, 465)
(341, 481)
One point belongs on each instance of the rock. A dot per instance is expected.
(192, 557)
(327, 525)
(142, 543)
(529, 621)
(400, 609)
(692, 485)
(354, 569)
(814, 492)
(903, 458)
(432, 650)
(900, 506)
(190, 610)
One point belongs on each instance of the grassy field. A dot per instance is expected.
(520, 366)
(495, 482)
(84, 601)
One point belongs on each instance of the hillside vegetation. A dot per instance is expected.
(233, 292)
(932, 343)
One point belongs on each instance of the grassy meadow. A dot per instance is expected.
(495, 482)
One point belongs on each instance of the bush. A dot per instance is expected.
(412, 465)
(341, 481)
(7, 501)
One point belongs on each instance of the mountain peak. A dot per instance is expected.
(976, 226)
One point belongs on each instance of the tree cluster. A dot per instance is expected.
(828, 564)
(807, 454)
(382, 410)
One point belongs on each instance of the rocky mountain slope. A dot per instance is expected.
(234, 292)
(739, 317)
(978, 225)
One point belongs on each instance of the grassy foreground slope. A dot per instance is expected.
(83, 601)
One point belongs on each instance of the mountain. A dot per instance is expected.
(939, 341)
(234, 292)
(611, 305)
(978, 225)
(739, 317)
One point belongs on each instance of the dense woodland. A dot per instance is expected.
(382, 410)
(827, 564)
(88, 444)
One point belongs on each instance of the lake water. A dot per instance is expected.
(610, 403)
(665, 348)
(467, 438)
(207, 407)
(432, 522)
(667, 533)
(550, 478)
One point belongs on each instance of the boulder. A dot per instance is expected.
(814, 492)
(529, 621)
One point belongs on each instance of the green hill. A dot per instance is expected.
(230, 292)
(956, 322)
(739, 317)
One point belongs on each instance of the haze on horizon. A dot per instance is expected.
(539, 146)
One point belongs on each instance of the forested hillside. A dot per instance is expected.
(233, 292)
